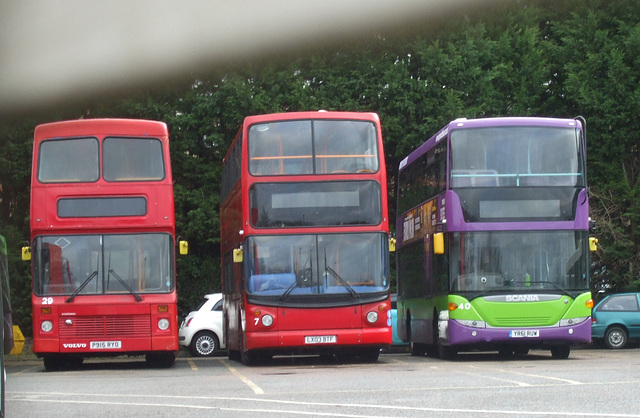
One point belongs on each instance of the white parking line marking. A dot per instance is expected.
(38, 397)
(571, 382)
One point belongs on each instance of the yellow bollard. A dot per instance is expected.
(18, 341)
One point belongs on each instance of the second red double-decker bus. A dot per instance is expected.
(102, 242)
(304, 237)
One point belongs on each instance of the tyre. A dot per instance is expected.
(447, 353)
(52, 363)
(369, 355)
(417, 349)
(616, 337)
(560, 352)
(160, 360)
(62, 362)
(233, 355)
(248, 358)
(204, 344)
(506, 352)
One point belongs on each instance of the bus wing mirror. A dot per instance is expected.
(184, 248)
(26, 253)
(238, 255)
(593, 244)
(438, 243)
(392, 245)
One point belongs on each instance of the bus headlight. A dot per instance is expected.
(163, 324)
(46, 326)
(572, 321)
(267, 320)
(471, 323)
(372, 317)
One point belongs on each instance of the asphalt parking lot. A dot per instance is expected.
(592, 382)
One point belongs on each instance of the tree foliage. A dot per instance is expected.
(522, 58)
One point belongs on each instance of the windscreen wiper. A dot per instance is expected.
(293, 285)
(135, 295)
(82, 286)
(289, 289)
(342, 281)
(486, 291)
(557, 286)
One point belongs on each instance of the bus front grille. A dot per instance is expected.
(527, 321)
(105, 326)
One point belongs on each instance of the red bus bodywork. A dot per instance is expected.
(96, 321)
(334, 325)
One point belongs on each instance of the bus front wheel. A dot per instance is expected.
(51, 363)
(560, 352)
(369, 355)
(160, 360)
(446, 352)
(62, 362)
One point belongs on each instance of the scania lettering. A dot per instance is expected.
(521, 298)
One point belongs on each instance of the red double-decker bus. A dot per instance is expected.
(305, 237)
(102, 242)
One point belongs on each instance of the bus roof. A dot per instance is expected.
(464, 123)
(100, 127)
(512, 121)
(321, 114)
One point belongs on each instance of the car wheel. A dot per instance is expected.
(615, 337)
(204, 344)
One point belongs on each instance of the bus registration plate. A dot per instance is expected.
(101, 345)
(320, 339)
(524, 333)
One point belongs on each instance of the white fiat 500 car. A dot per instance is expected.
(201, 330)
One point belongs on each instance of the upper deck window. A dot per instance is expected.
(133, 159)
(313, 147)
(68, 161)
(516, 157)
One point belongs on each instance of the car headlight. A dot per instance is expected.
(267, 320)
(163, 324)
(372, 317)
(46, 326)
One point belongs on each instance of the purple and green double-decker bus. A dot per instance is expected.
(493, 238)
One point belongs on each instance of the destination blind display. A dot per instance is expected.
(279, 205)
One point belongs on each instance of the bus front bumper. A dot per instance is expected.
(314, 340)
(104, 345)
(458, 334)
